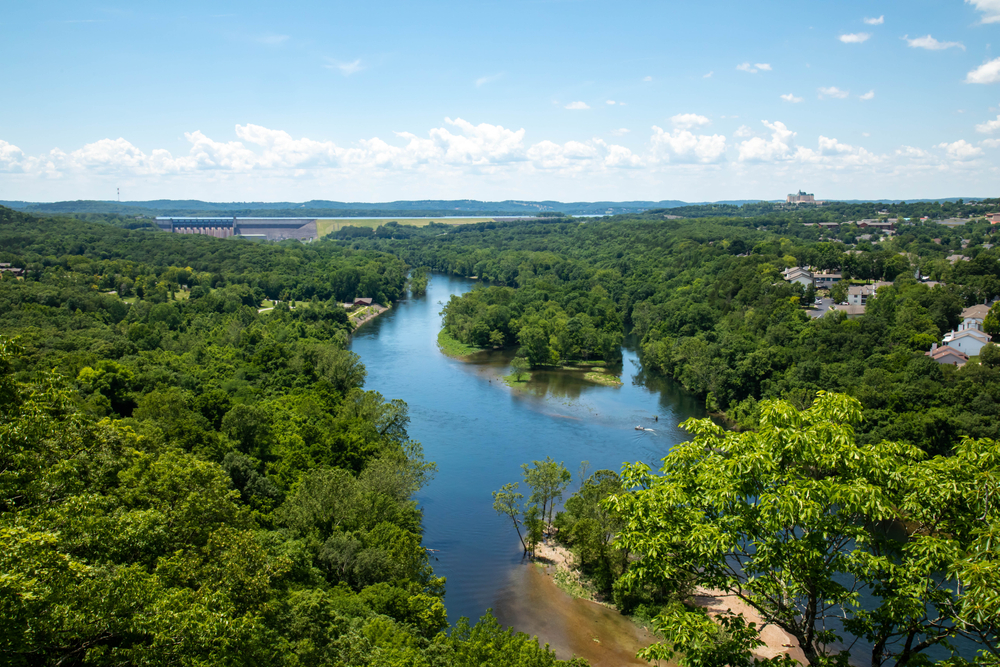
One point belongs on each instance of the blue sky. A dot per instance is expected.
(558, 99)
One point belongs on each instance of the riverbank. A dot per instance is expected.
(454, 348)
(366, 313)
(557, 562)
(776, 641)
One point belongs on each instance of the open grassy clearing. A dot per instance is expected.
(325, 226)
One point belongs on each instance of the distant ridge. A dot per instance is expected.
(414, 208)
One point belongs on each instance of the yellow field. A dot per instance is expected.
(326, 225)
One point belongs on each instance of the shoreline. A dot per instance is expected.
(554, 558)
(367, 315)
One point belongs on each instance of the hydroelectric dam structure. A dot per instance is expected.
(269, 229)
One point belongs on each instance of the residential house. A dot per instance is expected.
(968, 339)
(994, 218)
(852, 311)
(5, 267)
(975, 314)
(826, 279)
(957, 258)
(797, 274)
(858, 295)
(946, 354)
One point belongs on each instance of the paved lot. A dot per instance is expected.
(820, 310)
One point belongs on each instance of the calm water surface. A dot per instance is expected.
(479, 432)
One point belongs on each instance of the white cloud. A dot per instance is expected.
(683, 146)
(855, 37)
(743, 131)
(347, 69)
(961, 150)
(781, 148)
(870, 95)
(931, 44)
(986, 73)
(879, 21)
(791, 98)
(647, 78)
(483, 80)
(833, 91)
(686, 121)
(709, 75)
(11, 157)
(610, 102)
(866, 134)
(577, 106)
(753, 69)
(989, 127)
(764, 150)
(990, 143)
(989, 8)
(620, 132)
(912, 152)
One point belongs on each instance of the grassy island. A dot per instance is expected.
(453, 347)
(603, 379)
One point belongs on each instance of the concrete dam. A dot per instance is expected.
(270, 229)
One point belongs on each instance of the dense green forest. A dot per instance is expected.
(707, 301)
(186, 480)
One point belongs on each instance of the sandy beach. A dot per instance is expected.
(776, 640)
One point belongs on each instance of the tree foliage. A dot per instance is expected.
(825, 538)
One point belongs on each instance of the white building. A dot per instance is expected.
(969, 339)
(858, 295)
(797, 274)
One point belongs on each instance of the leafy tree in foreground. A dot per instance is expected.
(797, 520)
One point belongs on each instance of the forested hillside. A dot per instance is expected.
(707, 300)
(185, 480)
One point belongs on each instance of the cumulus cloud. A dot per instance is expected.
(780, 147)
(961, 150)
(931, 44)
(791, 98)
(743, 131)
(989, 8)
(686, 121)
(347, 69)
(753, 69)
(870, 95)
(855, 37)
(766, 150)
(912, 152)
(609, 102)
(879, 21)
(577, 106)
(11, 157)
(989, 127)
(990, 143)
(684, 146)
(986, 73)
(833, 91)
(620, 132)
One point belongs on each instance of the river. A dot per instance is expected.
(479, 432)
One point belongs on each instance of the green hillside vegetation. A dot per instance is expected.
(708, 303)
(189, 482)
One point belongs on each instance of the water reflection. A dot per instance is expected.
(479, 432)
